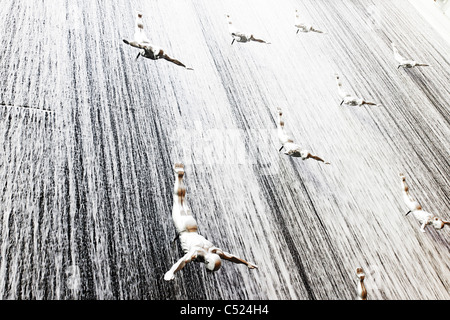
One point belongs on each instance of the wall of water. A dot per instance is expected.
(86, 189)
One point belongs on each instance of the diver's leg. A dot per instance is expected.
(315, 30)
(410, 202)
(181, 215)
(362, 291)
(179, 191)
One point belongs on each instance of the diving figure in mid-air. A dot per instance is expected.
(292, 149)
(302, 27)
(425, 218)
(148, 50)
(195, 246)
(240, 36)
(403, 62)
(347, 98)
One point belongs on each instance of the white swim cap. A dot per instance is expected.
(438, 223)
(213, 262)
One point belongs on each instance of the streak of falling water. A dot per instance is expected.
(86, 189)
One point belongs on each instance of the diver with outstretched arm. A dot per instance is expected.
(347, 98)
(425, 218)
(148, 50)
(195, 246)
(292, 149)
(403, 62)
(240, 36)
(302, 27)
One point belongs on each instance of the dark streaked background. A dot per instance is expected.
(86, 189)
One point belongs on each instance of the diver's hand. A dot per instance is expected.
(252, 266)
(169, 276)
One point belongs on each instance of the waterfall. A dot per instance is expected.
(88, 138)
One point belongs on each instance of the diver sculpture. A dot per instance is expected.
(195, 246)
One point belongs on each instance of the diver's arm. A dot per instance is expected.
(233, 258)
(188, 257)
(424, 224)
(311, 156)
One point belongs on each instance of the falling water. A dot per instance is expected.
(86, 189)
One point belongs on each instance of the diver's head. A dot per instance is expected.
(438, 223)
(213, 262)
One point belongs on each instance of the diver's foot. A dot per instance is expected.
(402, 176)
(178, 167)
(360, 273)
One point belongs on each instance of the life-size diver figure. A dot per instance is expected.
(403, 62)
(148, 50)
(425, 218)
(292, 149)
(195, 246)
(240, 36)
(302, 27)
(347, 98)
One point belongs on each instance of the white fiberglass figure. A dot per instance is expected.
(195, 246)
(347, 98)
(148, 50)
(405, 63)
(425, 218)
(302, 27)
(292, 149)
(239, 36)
